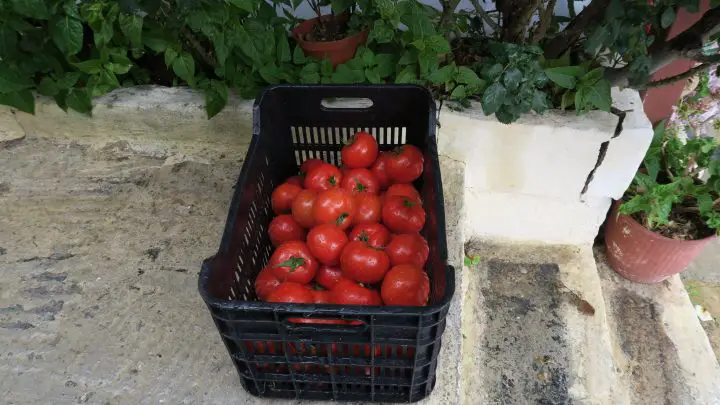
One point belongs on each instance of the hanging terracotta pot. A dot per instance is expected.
(339, 51)
(641, 255)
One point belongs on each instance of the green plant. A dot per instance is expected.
(471, 261)
(676, 191)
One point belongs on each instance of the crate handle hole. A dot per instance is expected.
(346, 103)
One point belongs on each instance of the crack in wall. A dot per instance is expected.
(603, 151)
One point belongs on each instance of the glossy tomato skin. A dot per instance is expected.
(368, 209)
(363, 263)
(323, 177)
(405, 285)
(379, 169)
(292, 261)
(404, 190)
(408, 248)
(326, 242)
(296, 180)
(320, 296)
(376, 235)
(405, 164)
(308, 165)
(265, 283)
(283, 196)
(289, 291)
(283, 228)
(335, 206)
(360, 181)
(402, 214)
(302, 208)
(360, 152)
(348, 292)
(328, 276)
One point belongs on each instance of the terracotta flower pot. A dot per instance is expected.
(641, 255)
(338, 52)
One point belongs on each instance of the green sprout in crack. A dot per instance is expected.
(472, 261)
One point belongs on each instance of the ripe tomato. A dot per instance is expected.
(289, 291)
(368, 208)
(348, 292)
(360, 151)
(335, 206)
(404, 189)
(265, 283)
(283, 228)
(408, 248)
(360, 181)
(405, 285)
(364, 263)
(308, 165)
(320, 296)
(297, 180)
(292, 261)
(405, 164)
(379, 169)
(402, 214)
(323, 177)
(328, 276)
(375, 235)
(302, 208)
(283, 196)
(326, 242)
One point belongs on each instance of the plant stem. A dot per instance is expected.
(448, 12)
(516, 18)
(590, 15)
(546, 16)
(672, 79)
(198, 48)
(485, 16)
(571, 8)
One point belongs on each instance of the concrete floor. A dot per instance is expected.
(702, 280)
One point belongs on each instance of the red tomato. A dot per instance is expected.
(376, 235)
(302, 208)
(348, 292)
(405, 285)
(404, 189)
(368, 208)
(283, 196)
(326, 242)
(308, 165)
(405, 164)
(297, 180)
(379, 169)
(328, 276)
(360, 181)
(265, 283)
(291, 292)
(364, 263)
(361, 151)
(408, 248)
(323, 177)
(402, 215)
(320, 296)
(292, 261)
(283, 228)
(335, 206)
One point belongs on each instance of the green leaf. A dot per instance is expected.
(466, 75)
(247, 5)
(309, 74)
(68, 80)
(283, 47)
(599, 95)
(564, 60)
(298, 55)
(568, 99)
(67, 34)
(22, 100)
(8, 41)
(407, 75)
(216, 97)
(47, 87)
(105, 34)
(372, 76)
(539, 101)
(382, 32)
(408, 58)
(221, 48)
(593, 76)
(184, 67)
(326, 68)
(12, 80)
(597, 39)
(437, 43)
(270, 73)
(31, 8)
(339, 6)
(89, 66)
(565, 77)
(493, 98)
(385, 64)
(368, 57)
(492, 73)
(345, 75)
(580, 99)
(156, 43)
(242, 38)
(459, 92)
(442, 75)
(512, 79)
(667, 17)
(131, 26)
(428, 62)
(79, 100)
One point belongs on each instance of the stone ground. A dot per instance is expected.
(702, 280)
(100, 249)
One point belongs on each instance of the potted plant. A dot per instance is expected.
(333, 36)
(670, 211)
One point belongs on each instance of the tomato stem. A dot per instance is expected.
(409, 203)
(340, 219)
(332, 181)
(363, 237)
(360, 187)
(293, 262)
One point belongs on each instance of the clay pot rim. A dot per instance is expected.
(649, 233)
(323, 45)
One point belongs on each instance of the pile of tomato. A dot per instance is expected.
(350, 235)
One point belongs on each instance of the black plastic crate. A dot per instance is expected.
(277, 358)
